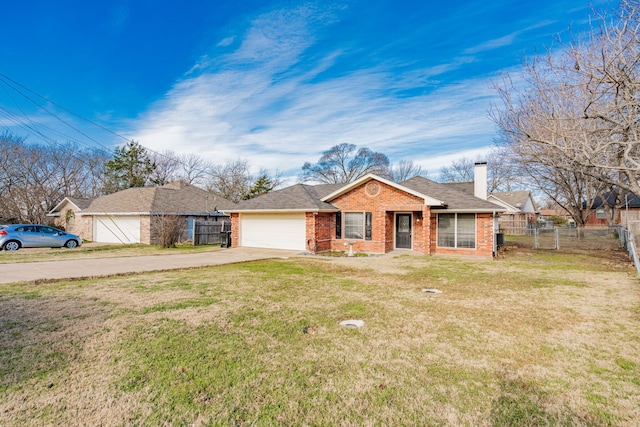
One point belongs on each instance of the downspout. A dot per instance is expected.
(495, 236)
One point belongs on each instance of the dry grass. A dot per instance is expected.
(96, 250)
(536, 338)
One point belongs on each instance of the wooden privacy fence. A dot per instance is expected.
(514, 227)
(210, 233)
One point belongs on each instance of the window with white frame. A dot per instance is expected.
(354, 225)
(357, 225)
(601, 214)
(457, 230)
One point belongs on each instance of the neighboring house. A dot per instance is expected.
(65, 212)
(546, 214)
(519, 208)
(371, 215)
(603, 214)
(138, 215)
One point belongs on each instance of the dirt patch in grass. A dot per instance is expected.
(535, 338)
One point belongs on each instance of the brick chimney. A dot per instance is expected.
(480, 180)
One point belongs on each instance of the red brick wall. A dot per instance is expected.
(382, 205)
(321, 229)
(388, 231)
(484, 234)
(594, 221)
(433, 226)
(484, 238)
(422, 231)
(235, 229)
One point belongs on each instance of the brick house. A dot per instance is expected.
(608, 210)
(138, 215)
(64, 215)
(371, 215)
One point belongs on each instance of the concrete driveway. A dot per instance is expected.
(96, 267)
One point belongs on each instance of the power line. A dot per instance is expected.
(14, 85)
(4, 78)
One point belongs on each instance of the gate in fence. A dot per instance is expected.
(210, 233)
(544, 238)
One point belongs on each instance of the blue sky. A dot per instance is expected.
(273, 82)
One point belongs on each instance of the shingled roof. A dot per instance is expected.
(298, 197)
(465, 187)
(454, 198)
(309, 198)
(517, 199)
(80, 202)
(173, 198)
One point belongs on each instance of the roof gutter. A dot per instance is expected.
(280, 210)
(220, 213)
(493, 211)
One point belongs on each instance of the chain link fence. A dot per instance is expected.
(627, 241)
(592, 239)
(567, 237)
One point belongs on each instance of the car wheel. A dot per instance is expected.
(11, 245)
(71, 244)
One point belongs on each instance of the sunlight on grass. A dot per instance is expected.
(505, 343)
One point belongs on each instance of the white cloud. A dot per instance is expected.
(226, 41)
(506, 40)
(261, 103)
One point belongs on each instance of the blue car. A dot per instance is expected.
(16, 236)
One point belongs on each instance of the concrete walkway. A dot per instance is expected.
(96, 267)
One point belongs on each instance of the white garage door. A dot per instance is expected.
(278, 231)
(117, 229)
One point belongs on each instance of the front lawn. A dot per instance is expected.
(533, 339)
(93, 250)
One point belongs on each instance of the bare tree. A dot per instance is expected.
(564, 184)
(502, 173)
(34, 178)
(458, 171)
(194, 169)
(235, 182)
(171, 229)
(578, 107)
(169, 166)
(231, 180)
(405, 169)
(342, 164)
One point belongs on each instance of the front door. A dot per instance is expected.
(403, 231)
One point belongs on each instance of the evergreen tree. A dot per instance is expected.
(130, 167)
(262, 185)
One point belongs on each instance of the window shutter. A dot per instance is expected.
(367, 225)
(338, 225)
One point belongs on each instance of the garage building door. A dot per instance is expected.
(278, 231)
(117, 229)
